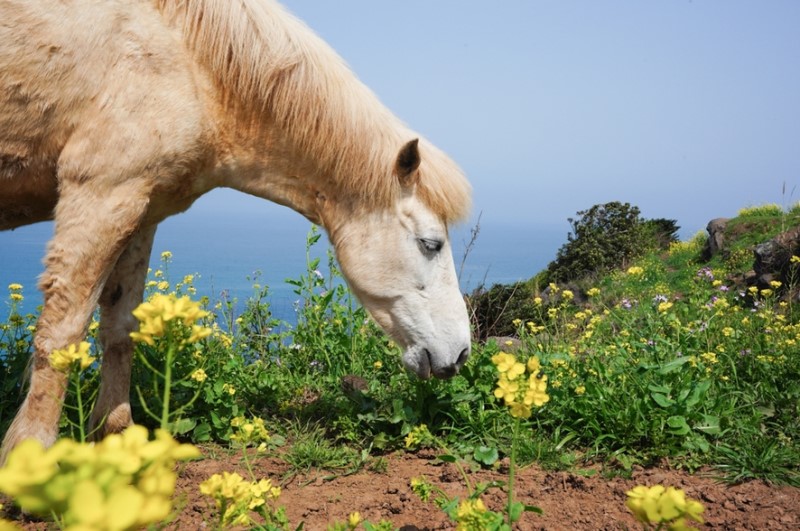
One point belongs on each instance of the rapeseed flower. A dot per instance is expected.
(123, 482)
(163, 315)
(517, 390)
(63, 359)
(472, 515)
(234, 497)
(418, 435)
(199, 375)
(659, 505)
(353, 520)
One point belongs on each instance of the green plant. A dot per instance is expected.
(604, 237)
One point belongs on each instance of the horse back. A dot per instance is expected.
(98, 91)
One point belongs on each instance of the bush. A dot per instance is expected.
(606, 237)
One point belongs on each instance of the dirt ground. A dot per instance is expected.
(570, 501)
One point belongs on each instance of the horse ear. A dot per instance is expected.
(407, 163)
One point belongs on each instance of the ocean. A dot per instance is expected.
(227, 245)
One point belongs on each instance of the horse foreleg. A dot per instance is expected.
(92, 228)
(122, 293)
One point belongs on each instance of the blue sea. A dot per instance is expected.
(226, 242)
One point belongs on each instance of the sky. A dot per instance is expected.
(687, 109)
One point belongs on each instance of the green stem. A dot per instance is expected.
(167, 386)
(76, 379)
(511, 468)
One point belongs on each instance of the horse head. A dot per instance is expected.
(399, 263)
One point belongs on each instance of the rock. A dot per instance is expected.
(506, 343)
(773, 258)
(716, 238)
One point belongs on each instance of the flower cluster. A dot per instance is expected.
(64, 359)
(472, 515)
(520, 391)
(250, 432)
(168, 314)
(659, 505)
(15, 292)
(124, 482)
(418, 436)
(235, 497)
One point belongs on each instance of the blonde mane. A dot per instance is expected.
(270, 66)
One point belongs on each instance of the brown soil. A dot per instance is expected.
(570, 501)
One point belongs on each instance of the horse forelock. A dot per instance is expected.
(277, 70)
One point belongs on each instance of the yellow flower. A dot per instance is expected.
(520, 410)
(163, 285)
(536, 394)
(775, 284)
(166, 255)
(353, 520)
(507, 364)
(795, 259)
(593, 292)
(63, 359)
(567, 295)
(471, 515)
(228, 388)
(506, 390)
(16, 297)
(580, 390)
(156, 315)
(537, 301)
(657, 505)
(635, 270)
(378, 364)
(14, 287)
(418, 435)
(664, 306)
(199, 375)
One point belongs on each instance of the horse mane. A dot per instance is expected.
(264, 61)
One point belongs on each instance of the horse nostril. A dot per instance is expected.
(462, 358)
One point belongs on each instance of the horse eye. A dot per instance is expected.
(430, 245)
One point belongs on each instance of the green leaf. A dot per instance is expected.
(662, 400)
(447, 458)
(182, 426)
(515, 511)
(202, 433)
(673, 365)
(485, 455)
(710, 425)
(677, 425)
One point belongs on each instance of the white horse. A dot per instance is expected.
(116, 114)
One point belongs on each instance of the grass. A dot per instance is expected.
(669, 360)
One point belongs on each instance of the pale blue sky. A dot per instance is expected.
(688, 110)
